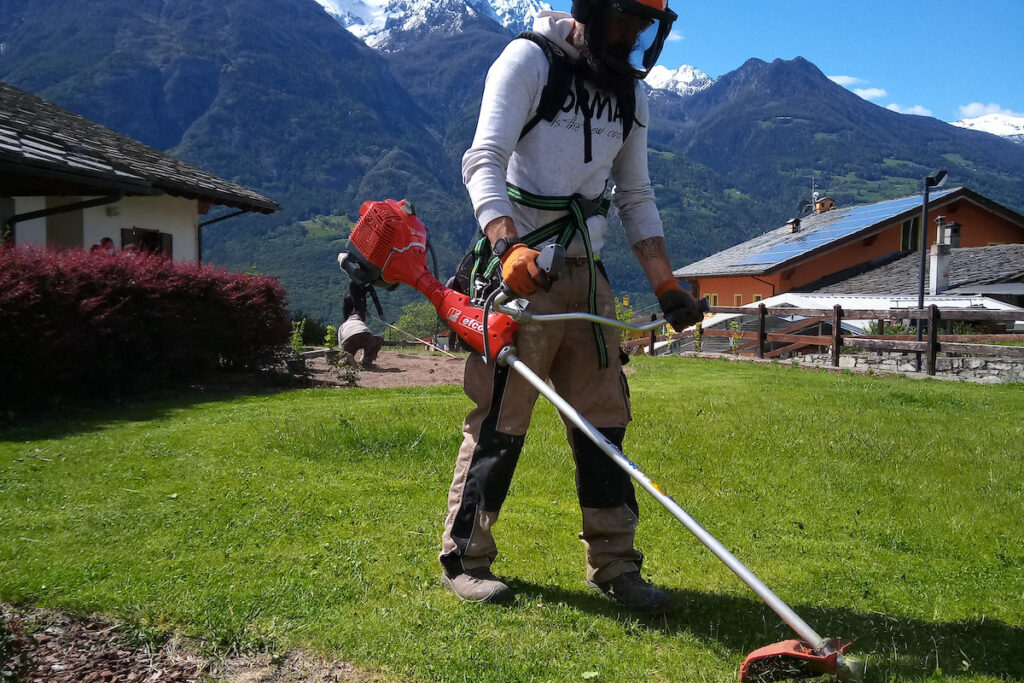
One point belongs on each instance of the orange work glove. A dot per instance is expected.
(520, 272)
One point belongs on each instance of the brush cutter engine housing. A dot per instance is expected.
(388, 247)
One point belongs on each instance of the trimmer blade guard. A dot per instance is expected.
(792, 659)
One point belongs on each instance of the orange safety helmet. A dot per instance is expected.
(599, 18)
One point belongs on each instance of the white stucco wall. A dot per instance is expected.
(33, 231)
(176, 216)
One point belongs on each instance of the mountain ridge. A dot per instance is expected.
(390, 25)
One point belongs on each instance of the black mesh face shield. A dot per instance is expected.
(628, 35)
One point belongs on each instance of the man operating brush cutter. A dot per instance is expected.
(388, 246)
(536, 172)
(563, 118)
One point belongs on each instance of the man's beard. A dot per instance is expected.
(602, 76)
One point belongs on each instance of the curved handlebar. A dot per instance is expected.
(550, 260)
(520, 315)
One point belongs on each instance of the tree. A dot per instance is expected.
(418, 319)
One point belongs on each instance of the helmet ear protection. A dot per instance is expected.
(582, 10)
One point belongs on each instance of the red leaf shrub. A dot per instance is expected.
(75, 323)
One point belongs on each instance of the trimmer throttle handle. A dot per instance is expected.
(551, 260)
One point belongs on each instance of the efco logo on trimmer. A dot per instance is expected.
(453, 315)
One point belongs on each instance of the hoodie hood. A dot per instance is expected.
(556, 26)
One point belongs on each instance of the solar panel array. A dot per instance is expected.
(852, 221)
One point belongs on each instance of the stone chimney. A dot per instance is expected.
(941, 255)
(951, 234)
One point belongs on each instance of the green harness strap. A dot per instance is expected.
(562, 230)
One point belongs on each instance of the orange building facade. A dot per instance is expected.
(982, 223)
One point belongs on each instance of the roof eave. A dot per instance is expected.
(261, 205)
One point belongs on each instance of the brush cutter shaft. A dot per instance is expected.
(816, 642)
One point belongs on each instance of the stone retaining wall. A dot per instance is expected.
(968, 368)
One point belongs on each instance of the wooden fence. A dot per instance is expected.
(931, 344)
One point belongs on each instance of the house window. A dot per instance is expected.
(910, 234)
(153, 241)
(712, 299)
(737, 299)
(757, 297)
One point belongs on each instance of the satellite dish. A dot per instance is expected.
(815, 195)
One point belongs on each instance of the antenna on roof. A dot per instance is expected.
(807, 207)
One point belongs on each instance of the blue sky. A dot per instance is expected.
(949, 59)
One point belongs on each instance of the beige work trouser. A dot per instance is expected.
(565, 353)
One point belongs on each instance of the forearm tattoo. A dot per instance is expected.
(650, 248)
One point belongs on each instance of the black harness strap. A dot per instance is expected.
(560, 72)
(587, 108)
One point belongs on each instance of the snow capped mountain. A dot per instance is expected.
(685, 80)
(376, 22)
(1011, 127)
(517, 15)
(356, 15)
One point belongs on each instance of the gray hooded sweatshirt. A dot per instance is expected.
(549, 159)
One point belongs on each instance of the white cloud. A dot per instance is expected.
(870, 93)
(917, 109)
(846, 81)
(975, 109)
(674, 36)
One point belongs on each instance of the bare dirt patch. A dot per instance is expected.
(61, 648)
(395, 369)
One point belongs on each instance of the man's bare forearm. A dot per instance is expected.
(502, 226)
(653, 259)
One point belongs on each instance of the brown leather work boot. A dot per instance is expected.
(633, 593)
(479, 585)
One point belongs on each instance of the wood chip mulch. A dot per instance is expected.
(38, 646)
(64, 649)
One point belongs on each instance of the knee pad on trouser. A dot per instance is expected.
(601, 483)
(487, 482)
(610, 511)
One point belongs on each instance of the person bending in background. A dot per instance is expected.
(354, 335)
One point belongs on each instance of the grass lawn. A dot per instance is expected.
(885, 510)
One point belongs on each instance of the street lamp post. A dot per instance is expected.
(929, 182)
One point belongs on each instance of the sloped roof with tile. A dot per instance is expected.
(48, 150)
(824, 232)
(967, 266)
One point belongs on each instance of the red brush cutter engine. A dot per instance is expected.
(388, 247)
